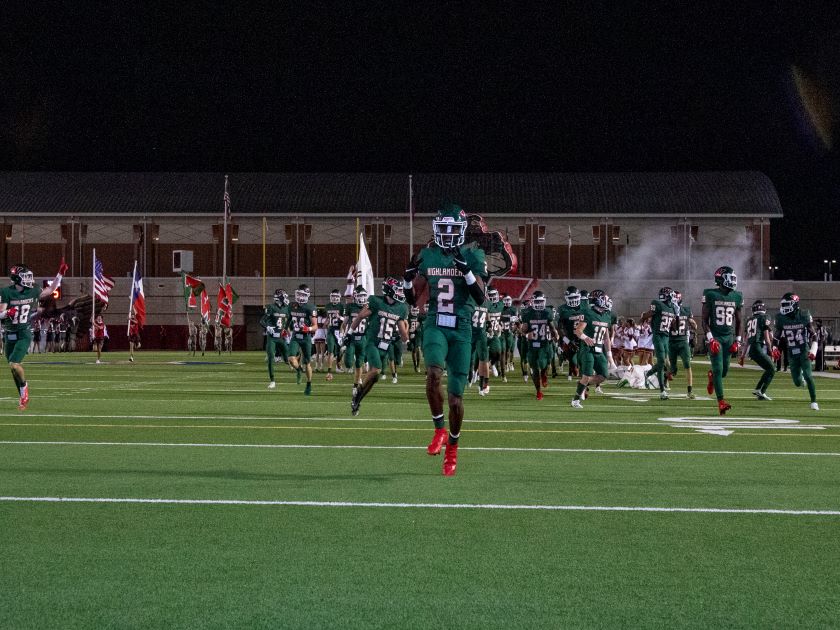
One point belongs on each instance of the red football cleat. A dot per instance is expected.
(450, 460)
(24, 399)
(437, 442)
(539, 395)
(710, 386)
(544, 380)
(723, 407)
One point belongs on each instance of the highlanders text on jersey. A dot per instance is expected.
(26, 303)
(450, 303)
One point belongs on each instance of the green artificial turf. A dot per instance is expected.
(403, 563)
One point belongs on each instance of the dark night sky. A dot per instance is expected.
(432, 86)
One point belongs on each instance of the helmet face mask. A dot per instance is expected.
(392, 288)
(678, 297)
(667, 295)
(725, 278)
(450, 227)
(493, 296)
(414, 311)
(584, 296)
(360, 296)
(302, 294)
(335, 297)
(598, 299)
(572, 296)
(280, 297)
(759, 307)
(789, 304)
(507, 300)
(19, 274)
(538, 301)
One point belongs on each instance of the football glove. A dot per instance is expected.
(811, 356)
(10, 312)
(63, 267)
(461, 263)
(286, 335)
(411, 270)
(733, 349)
(776, 354)
(305, 329)
(271, 331)
(714, 347)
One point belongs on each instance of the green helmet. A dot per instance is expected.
(360, 295)
(493, 295)
(450, 227)
(789, 303)
(335, 296)
(725, 278)
(392, 288)
(22, 275)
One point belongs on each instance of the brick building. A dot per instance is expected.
(307, 221)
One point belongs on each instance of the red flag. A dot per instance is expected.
(138, 298)
(223, 310)
(205, 306)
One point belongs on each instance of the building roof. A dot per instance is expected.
(603, 194)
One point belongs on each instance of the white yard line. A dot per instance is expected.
(500, 449)
(449, 506)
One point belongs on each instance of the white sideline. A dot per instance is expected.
(502, 449)
(450, 506)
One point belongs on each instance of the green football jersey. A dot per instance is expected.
(450, 303)
(479, 318)
(334, 315)
(597, 327)
(538, 325)
(382, 322)
(756, 325)
(682, 330)
(26, 302)
(662, 318)
(508, 317)
(567, 319)
(415, 325)
(494, 319)
(796, 329)
(722, 306)
(350, 312)
(274, 316)
(299, 315)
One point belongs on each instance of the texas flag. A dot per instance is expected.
(138, 298)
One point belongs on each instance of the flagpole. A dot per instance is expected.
(93, 291)
(410, 217)
(264, 229)
(224, 232)
(131, 297)
(357, 238)
(570, 253)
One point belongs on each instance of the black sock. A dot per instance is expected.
(453, 439)
(579, 392)
(438, 420)
(689, 389)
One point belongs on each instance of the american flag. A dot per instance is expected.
(102, 284)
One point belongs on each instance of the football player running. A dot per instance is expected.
(797, 327)
(274, 322)
(18, 304)
(495, 343)
(679, 346)
(454, 276)
(335, 316)
(386, 316)
(662, 315)
(415, 335)
(759, 340)
(508, 338)
(721, 320)
(354, 338)
(568, 317)
(479, 364)
(537, 325)
(595, 352)
(302, 323)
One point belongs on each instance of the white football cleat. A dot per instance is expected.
(815, 406)
(394, 380)
(762, 396)
(484, 392)
(663, 395)
(599, 390)
(495, 371)
(272, 385)
(577, 404)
